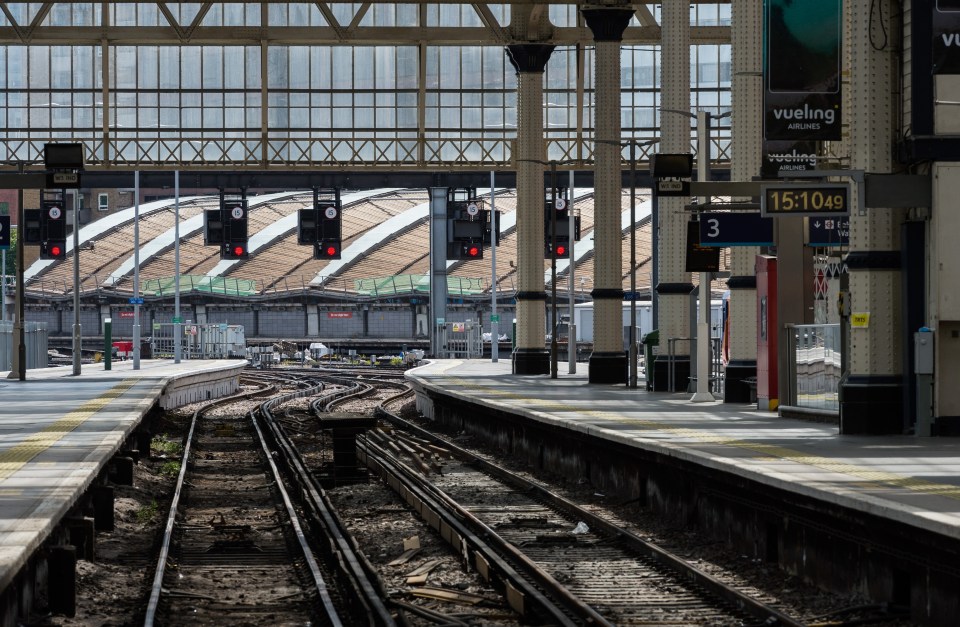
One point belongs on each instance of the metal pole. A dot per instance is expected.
(136, 269)
(571, 271)
(438, 266)
(3, 288)
(553, 271)
(654, 270)
(20, 366)
(107, 344)
(77, 347)
(177, 321)
(494, 316)
(632, 354)
(702, 393)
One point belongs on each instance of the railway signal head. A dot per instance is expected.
(328, 249)
(53, 249)
(235, 250)
(471, 250)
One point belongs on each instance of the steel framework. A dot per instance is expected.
(322, 85)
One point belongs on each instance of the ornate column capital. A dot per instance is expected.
(607, 24)
(529, 57)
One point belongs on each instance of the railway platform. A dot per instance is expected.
(873, 515)
(59, 432)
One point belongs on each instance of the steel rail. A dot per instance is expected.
(157, 587)
(550, 597)
(351, 561)
(763, 612)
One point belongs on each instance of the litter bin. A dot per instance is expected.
(649, 341)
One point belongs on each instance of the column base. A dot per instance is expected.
(871, 405)
(946, 425)
(531, 361)
(608, 368)
(735, 388)
(681, 374)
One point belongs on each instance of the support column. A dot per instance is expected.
(747, 123)
(674, 286)
(438, 267)
(200, 312)
(608, 362)
(530, 355)
(104, 314)
(871, 392)
(313, 320)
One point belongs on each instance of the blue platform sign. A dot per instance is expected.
(135, 301)
(4, 232)
(735, 229)
(828, 231)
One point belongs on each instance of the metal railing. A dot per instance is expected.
(36, 343)
(461, 339)
(368, 288)
(199, 341)
(716, 364)
(815, 366)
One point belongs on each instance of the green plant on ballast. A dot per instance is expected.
(163, 445)
(395, 361)
(170, 469)
(148, 512)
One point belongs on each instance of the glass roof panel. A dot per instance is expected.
(295, 14)
(24, 12)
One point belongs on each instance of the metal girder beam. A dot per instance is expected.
(323, 35)
(490, 22)
(290, 180)
(331, 19)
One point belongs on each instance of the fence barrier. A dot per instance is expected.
(36, 340)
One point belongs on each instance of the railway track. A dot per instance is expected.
(235, 550)
(554, 560)
(550, 560)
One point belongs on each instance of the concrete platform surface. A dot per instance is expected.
(909, 479)
(58, 431)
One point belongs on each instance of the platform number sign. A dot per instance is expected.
(4, 232)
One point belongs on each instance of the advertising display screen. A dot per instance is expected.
(802, 57)
(946, 37)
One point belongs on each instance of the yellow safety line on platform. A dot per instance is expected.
(14, 458)
(770, 450)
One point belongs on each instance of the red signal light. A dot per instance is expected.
(330, 251)
(238, 251)
(561, 250)
(473, 251)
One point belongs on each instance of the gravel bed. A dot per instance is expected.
(111, 590)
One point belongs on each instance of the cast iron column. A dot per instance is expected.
(608, 362)
(747, 123)
(530, 355)
(674, 284)
(871, 392)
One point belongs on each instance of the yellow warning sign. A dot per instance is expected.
(860, 320)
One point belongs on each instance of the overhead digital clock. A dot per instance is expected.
(805, 199)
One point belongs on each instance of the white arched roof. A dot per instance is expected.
(103, 225)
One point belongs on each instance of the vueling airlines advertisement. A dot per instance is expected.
(946, 37)
(801, 69)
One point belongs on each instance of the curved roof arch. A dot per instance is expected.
(584, 247)
(95, 229)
